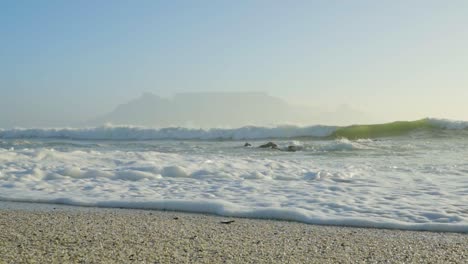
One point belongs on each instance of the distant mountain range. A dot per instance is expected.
(207, 110)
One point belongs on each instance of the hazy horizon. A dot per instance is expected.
(223, 110)
(196, 110)
(66, 63)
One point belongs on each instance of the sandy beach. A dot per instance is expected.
(39, 233)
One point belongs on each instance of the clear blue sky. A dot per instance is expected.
(78, 59)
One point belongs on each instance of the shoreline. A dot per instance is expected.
(183, 208)
(59, 233)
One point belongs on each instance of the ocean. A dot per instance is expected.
(401, 175)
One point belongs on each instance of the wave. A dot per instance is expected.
(139, 133)
(397, 128)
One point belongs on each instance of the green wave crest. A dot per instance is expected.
(392, 129)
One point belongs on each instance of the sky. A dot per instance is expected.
(68, 61)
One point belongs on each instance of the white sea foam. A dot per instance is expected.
(140, 133)
(422, 187)
(449, 124)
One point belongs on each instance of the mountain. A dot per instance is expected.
(148, 109)
(213, 109)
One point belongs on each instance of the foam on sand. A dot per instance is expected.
(45, 232)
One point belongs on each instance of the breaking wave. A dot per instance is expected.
(398, 128)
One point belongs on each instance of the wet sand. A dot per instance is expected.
(37, 233)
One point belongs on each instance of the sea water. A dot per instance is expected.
(405, 175)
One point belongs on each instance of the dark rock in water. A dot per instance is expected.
(247, 144)
(294, 148)
(269, 145)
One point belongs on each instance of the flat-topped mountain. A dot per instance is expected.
(204, 110)
(213, 109)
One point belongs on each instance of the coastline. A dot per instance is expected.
(69, 234)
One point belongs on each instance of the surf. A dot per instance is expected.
(358, 131)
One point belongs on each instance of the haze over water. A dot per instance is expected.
(64, 64)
